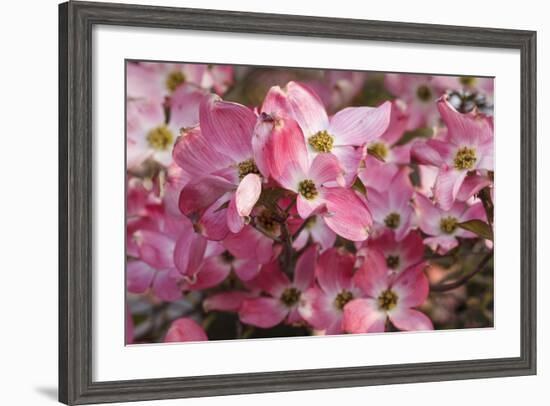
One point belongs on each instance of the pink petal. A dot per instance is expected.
(412, 286)
(318, 309)
(139, 276)
(424, 153)
(189, 252)
(350, 159)
(235, 222)
(305, 268)
(360, 125)
(196, 155)
(362, 316)
(248, 193)
(306, 207)
(249, 243)
(211, 273)
(155, 248)
(428, 215)
(185, 329)
(322, 234)
(246, 269)
(447, 185)
(203, 193)
(372, 277)
(184, 106)
(486, 155)
(334, 271)
(400, 190)
(262, 312)
(347, 215)
(226, 301)
(472, 184)
(213, 222)
(228, 127)
(398, 123)
(376, 174)
(166, 285)
(410, 320)
(271, 280)
(325, 168)
(441, 244)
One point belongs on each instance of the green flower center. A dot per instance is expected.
(227, 257)
(465, 158)
(467, 80)
(448, 224)
(392, 261)
(290, 296)
(424, 93)
(160, 138)
(387, 300)
(174, 79)
(246, 167)
(342, 299)
(265, 220)
(321, 141)
(378, 149)
(392, 220)
(308, 189)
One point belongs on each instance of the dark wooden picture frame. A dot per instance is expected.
(76, 20)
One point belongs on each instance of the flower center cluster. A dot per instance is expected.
(265, 220)
(448, 224)
(308, 189)
(392, 261)
(246, 167)
(321, 141)
(174, 79)
(424, 93)
(227, 257)
(378, 149)
(290, 296)
(465, 158)
(467, 80)
(392, 220)
(387, 300)
(342, 299)
(160, 138)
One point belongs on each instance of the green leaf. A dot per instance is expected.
(359, 186)
(373, 152)
(478, 227)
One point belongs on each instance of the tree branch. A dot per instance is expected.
(445, 287)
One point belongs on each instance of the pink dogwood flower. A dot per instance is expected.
(391, 209)
(338, 88)
(316, 229)
(343, 134)
(149, 136)
(284, 296)
(323, 305)
(226, 183)
(387, 298)
(185, 329)
(466, 147)
(443, 225)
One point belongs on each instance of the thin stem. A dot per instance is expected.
(445, 287)
(261, 230)
(299, 230)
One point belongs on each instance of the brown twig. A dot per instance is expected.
(445, 287)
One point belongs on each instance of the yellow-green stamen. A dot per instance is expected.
(174, 79)
(290, 296)
(307, 189)
(465, 158)
(160, 138)
(321, 141)
(392, 220)
(342, 299)
(387, 300)
(448, 224)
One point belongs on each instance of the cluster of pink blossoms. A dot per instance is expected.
(284, 213)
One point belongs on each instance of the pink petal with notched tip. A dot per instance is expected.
(447, 185)
(212, 272)
(226, 301)
(412, 286)
(185, 329)
(350, 159)
(410, 320)
(363, 316)
(228, 127)
(189, 252)
(397, 125)
(334, 271)
(287, 156)
(347, 214)
(304, 272)
(472, 184)
(196, 156)
(372, 277)
(464, 129)
(305, 106)
(203, 193)
(139, 276)
(359, 125)
(262, 312)
(166, 285)
(155, 248)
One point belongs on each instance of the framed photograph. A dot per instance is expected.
(261, 202)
